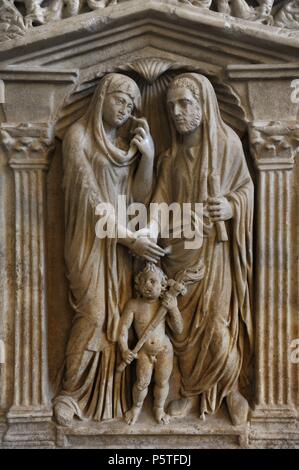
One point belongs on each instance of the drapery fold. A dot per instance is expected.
(99, 270)
(218, 332)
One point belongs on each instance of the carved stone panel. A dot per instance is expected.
(149, 209)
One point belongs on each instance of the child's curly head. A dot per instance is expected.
(151, 268)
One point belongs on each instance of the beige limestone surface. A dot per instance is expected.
(137, 341)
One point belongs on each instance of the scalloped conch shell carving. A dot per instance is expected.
(149, 69)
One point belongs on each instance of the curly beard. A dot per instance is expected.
(188, 123)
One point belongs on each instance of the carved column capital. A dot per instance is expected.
(274, 145)
(29, 145)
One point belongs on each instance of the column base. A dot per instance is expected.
(29, 427)
(274, 425)
(280, 414)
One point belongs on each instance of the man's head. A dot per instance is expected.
(151, 282)
(184, 103)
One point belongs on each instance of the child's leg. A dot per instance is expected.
(163, 369)
(144, 370)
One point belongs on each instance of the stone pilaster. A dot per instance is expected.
(29, 149)
(273, 147)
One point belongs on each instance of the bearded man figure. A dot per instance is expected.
(206, 164)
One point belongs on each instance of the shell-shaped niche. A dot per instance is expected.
(153, 77)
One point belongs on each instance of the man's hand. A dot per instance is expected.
(147, 249)
(151, 232)
(219, 209)
(128, 356)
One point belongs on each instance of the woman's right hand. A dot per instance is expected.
(147, 249)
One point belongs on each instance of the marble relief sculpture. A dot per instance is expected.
(99, 164)
(242, 9)
(198, 3)
(34, 11)
(213, 338)
(149, 224)
(12, 23)
(287, 15)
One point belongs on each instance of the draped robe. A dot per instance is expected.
(217, 335)
(99, 270)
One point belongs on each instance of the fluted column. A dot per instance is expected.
(29, 149)
(273, 147)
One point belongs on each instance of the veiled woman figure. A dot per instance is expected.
(206, 164)
(99, 165)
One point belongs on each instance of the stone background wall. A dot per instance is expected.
(48, 75)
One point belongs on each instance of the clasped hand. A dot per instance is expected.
(147, 249)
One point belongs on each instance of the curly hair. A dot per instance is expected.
(186, 82)
(151, 267)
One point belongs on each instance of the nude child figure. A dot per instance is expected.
(156, 355)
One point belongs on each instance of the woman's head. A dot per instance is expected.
(116, 98)
(121, 98)
(117, 109)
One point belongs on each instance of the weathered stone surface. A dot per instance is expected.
(158, 102)
(31, 13)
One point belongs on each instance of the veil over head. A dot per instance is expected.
(214, 167)
(100, 172)
(98, 269)
(93, 118)
(220, 144)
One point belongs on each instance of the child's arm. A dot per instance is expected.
(174, 317)
(125, 324)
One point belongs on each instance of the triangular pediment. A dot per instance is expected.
(197, 34)
(67, 58)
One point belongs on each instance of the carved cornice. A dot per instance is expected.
(262, 71)
(22, 73)
(280, 13)
(180, 25)
(29, 146)
(274, 145)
